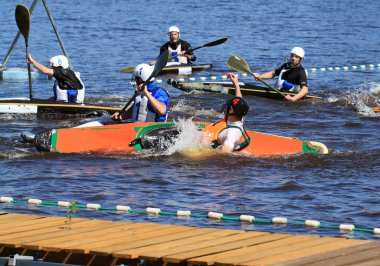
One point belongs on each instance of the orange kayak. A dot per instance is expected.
(376, 109)
(132, 137)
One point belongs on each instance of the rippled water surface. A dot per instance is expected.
(102, 38)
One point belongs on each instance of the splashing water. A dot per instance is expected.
(190, 141)
(365, 98)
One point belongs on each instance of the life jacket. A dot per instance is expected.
(143, 112)
(174, 52)
(212, 131)
(67, 86)
(283, 85)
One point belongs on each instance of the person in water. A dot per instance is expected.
(152, 102)
(229, 134)
(177, 46)
(291, 76)
(68, 87)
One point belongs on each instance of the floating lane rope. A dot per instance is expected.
(345, 68)
(187, 213)
(309, 70)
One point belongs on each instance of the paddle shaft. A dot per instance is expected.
(22, 16)
(213, 43)
(267, 84)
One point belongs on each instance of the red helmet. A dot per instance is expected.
(239, 106)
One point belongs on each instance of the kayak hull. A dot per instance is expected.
(228, 88)
(48, 107)
(126, 139)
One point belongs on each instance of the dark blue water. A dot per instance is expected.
(101, 38)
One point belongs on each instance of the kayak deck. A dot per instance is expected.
(46, 107)
(227, 87)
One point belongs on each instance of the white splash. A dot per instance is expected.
(190, 139)
(365, 98)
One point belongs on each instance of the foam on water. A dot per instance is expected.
(190, 140)
(365, 98)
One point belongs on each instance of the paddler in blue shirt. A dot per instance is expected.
(177, 46)
(291, 75)
(152, 102)
(229, 133)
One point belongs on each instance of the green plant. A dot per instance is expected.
(73, 208)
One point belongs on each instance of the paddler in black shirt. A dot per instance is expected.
(68, 87)
(291, 76)
(176, 46)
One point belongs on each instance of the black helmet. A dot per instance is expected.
(239, 106)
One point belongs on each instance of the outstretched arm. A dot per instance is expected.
(43, 69)
(266, 75)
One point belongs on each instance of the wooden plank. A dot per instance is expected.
(26, 236)
(79, 233)
(159, 236)
(156, 252)
(206, 256)
(243, 254)
(353, 257)
(375, 261)
(196, 244)
(167, 241)
(15, 217)
(266, 257)
(291, 259)
(80, 243)
(332, 246)
(30, 225)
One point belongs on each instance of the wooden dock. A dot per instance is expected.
(104, 242)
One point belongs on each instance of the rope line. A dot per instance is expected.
(309, 70)
(187, 213)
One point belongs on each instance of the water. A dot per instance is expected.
(101, 38)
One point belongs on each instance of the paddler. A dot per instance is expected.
(68, 87)
(152, 102)
(229, 134)
(177, 46)
(291, 76)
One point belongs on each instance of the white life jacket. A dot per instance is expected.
(172, 52)
(141, 112)
(280, 81)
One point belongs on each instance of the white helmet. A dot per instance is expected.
(298, 51)
(59, 61)
(143, 71)
(173, 28)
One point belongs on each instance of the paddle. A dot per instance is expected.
(23, 23)
(160, 64)
(239, 64)
(213, 43)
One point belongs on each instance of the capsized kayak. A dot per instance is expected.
(129, 138)
(48, 107)
(227, 87)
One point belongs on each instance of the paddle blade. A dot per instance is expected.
(128, 70)
(216, 42)
(239, 64)
(161, 62)
(23, 20)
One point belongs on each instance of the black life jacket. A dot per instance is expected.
(67, 80)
